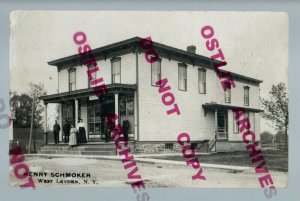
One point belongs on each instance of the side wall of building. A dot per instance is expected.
(155, 124)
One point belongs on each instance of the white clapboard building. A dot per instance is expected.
(205, 108)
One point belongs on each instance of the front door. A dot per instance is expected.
(126, 112)
(222, 125)
(107, 107)
(97, 110)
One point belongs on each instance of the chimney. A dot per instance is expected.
(191, 49)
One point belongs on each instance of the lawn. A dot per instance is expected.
(275, 160)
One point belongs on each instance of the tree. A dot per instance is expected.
(22, 104)
(266, 137)
(35, 91)
(280, 136)
(276, 109)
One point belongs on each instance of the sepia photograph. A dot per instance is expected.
(148, 99)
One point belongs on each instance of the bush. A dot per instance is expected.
(266, 137)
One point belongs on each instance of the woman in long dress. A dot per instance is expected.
(73, 138)
(81, 132)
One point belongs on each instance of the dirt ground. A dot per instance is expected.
(110, 173)
(275, 160)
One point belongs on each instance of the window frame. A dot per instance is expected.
(71, 70)
(245, 97)
(235, 125)
(115, 59)
(203, 71)
(228, 90)
(182, 65)
(158, 60)
(247, 115)
(89, 80)
(169, 146)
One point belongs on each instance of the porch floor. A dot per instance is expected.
(89, 148)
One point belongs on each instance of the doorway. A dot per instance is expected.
(222, 129)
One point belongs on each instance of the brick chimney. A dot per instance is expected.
(191, 48)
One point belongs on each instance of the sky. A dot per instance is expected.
(254, 44)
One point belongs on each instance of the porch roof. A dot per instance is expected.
(210, 106)
(82, 93)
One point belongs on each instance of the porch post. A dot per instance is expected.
(45, 117)
(45, 125)
(216, 122)
(60, 121)
(117, 108)
(76, 112)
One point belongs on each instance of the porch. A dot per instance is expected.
(83, 104)
(90, 148)
(225, 128)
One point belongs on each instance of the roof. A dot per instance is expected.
(164, 50)
(112, 88)
(221, 106)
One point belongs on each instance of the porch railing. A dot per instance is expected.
(212, 144)
(222, 134)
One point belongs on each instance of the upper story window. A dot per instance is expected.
(228, 94)
(155, 72)
(202, 80)
(182, 77)
(72, 79)
(94, 75)
(246, 95)
(116, 70)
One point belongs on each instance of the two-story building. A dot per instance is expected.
(205, 108)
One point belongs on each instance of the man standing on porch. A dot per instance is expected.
(106, 131)
(125, 127)
(56, 129)
(66, 129)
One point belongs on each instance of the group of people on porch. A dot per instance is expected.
(76, 136)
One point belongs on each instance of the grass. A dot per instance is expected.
(275, 160)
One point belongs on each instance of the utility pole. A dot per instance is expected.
(31, 126)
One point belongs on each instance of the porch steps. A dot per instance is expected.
(85, 149)
(212, 145)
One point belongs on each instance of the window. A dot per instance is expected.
(246, 96)
(194, 145)
(126, 108)
(247, 115)
(202, 80)
(94, 75)
(228, 94)
(116, 70)
(169, 146)
(68, 112)
(235, 125)
(72, 79)
(182, 77)
(94, 118)
(155, 72)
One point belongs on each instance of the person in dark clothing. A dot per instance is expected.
(106, 131)
(125, 127)
(66, 129)
(56, 129)
(81, 132)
